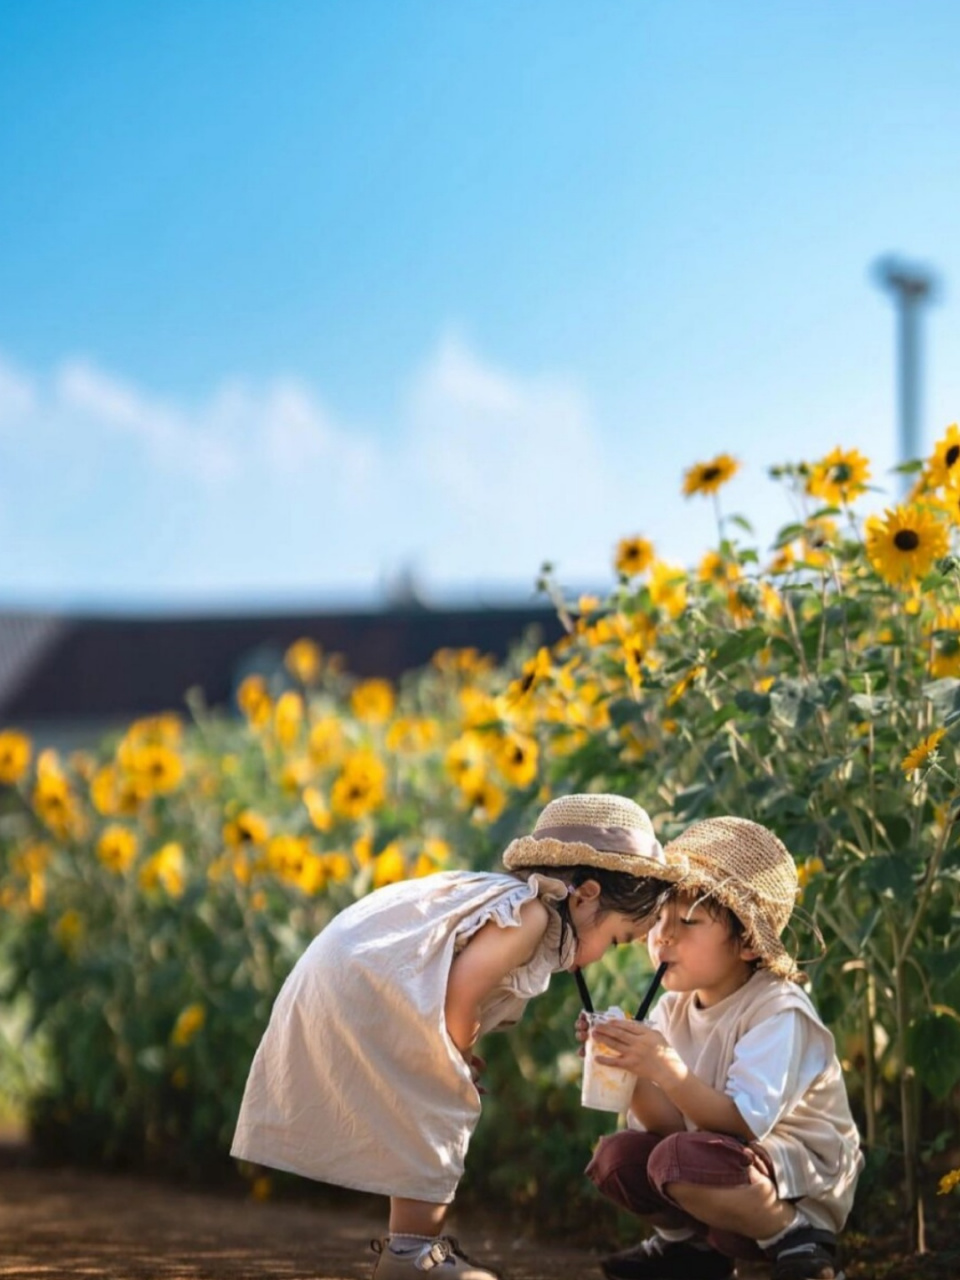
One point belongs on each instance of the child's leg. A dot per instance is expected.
(416, 1217)
(727, 1186)
(620, 1171)
(415, 1245)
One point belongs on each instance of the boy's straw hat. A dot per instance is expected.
(594, 831)
(743, 866)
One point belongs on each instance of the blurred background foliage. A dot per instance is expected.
(157, 889)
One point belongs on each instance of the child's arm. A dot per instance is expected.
(647, 1054)
(654, 1110)
(487, 958)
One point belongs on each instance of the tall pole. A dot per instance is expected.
(911, 287)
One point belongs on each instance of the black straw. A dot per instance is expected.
(584, 992)
(647, 1000)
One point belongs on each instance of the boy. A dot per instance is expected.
(740, 1141)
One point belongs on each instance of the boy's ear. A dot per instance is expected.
(748, 953)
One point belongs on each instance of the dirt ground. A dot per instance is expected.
(60, 1222)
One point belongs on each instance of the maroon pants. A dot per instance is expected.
(632, 1169)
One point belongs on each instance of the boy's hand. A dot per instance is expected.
(582, 1031)
(642, 1050)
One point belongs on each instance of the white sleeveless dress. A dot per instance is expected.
(356, 1081)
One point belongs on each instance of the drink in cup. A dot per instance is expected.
(605, 1087)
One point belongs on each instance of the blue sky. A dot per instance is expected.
(295, 297)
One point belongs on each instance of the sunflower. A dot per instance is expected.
(303, 660)
(188, 1023)
(717, 569)
(945, 659)
(326, 742)
(372, 701)
(534, 672)
(904, 544)
(518, 757)
(166, 868)
(360, 787)
(684, 683)
(633, 556)
(287, 718)
(15, 752)
(248, 828)
(839, 477)
(918, 757)
(668, 588)
(943, 469)
(482, 799)
(389, 866)
(117, 848)
(707, 477)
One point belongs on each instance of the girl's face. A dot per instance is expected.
(596, 929)
(701, 953)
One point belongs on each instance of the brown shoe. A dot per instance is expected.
(441, 1259)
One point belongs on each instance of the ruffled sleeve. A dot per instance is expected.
(532, 977)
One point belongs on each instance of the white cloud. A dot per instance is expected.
(18, 394)
(510, 469)
(261, 489)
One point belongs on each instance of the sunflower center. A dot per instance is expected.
(710, 473)
(952, 454)
(906, 540)
(842, 473)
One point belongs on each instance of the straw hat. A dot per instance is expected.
(594, 831)
(746, 868)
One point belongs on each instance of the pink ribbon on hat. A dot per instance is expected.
(608, 840)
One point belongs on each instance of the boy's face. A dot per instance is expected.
(700, 951)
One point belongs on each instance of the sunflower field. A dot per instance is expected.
(157, 890)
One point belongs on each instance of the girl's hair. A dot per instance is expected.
(638, 897)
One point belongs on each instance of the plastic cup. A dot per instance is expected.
(605, 1087)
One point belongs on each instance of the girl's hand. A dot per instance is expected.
(582, 1031)
(477, 1066)
(642, 1050)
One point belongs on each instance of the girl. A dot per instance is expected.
(366, 1077)
(741, 1143)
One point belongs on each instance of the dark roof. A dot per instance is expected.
(62, 668)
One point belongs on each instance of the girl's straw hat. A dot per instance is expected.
(594, 831)
(746, 868)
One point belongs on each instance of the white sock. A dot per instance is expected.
(404, 1245)
(675, 1235)
(799, 1219)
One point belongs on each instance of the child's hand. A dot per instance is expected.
(582, 1031)
(477, 1065)
(642, 1050)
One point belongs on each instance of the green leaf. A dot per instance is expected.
(747, 700)
(693, 800)
(741, 522)
(824, 769)
(871, 705)
(741, 644)
(789, 533)
(933, 1048)
(793, 701)
(625, 711)
(887, 873)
